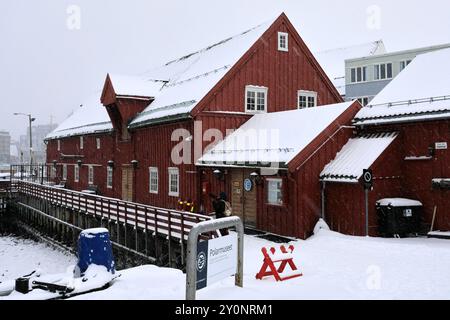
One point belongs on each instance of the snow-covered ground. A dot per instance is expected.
(20, 256)
(334, 267)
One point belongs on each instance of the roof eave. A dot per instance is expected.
(79, 134)
(398, 120)
(258, 165)
(162, 120)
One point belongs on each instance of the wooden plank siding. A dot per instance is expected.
(283, 73)
(415, 139)
(89, 155)
(223, 108)
(396, 177)
(153, 148)
(345, 203)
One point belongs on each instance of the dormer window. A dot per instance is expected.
(307, 99)
(255, 99)
(283, 41)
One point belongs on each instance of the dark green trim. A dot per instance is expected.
(167, 119)
(281, 165)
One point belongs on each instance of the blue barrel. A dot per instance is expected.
(94, 247)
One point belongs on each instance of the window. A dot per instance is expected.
(255, 99)
(283, 41)
(76, 174)
(383, 71)
(59, 145)
(64, 177)
(364, 101)
(307, 99)
(404, 64)
(358, 74)
(174, 182)
(109, 177)
(98, 143)
(153, 180)
(91, 175)
(275, 192)
(53, 172)
(81, 143)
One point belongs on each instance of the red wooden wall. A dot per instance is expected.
(345, 203)
(88, 155)
(414, 182)
(153, 148)
(284, 73)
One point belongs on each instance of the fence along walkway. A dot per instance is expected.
(172, 223)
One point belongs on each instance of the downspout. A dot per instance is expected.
(323, 195)
(295, 182)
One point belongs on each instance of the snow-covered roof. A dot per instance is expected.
(135, 86)
(191, 77)
(399, 202)
(358, 154)
(273, 138)
(420, 92)
(333, 61)
(91, 117)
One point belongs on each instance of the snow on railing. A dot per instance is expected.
(171, 223)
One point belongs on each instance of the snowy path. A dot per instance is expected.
(21, 256)
(334, 267)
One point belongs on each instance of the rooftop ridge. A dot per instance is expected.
(376, 42)
(214, 45)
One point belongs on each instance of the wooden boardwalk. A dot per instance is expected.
(170, 223)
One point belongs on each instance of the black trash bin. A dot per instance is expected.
(399, 217)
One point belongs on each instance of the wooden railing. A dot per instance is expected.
(172, 223)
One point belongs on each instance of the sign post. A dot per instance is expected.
(213, 260)
(368, 184)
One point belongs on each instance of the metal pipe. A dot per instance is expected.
(367, 211)
(324, 184)
(209, 226)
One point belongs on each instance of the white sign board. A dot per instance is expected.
(216, 260)
(441, 146)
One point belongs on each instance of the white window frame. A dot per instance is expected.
(404, 64)
(280, 190)
(53, 172)
(59, 145)
(280, 37)
(377, 68)
(109, 177)
(363, 74)
(64, 174)
(81, 142)
(98, 143)
(307, 95)
(362, 102)
(76, 173)
(256, 90)
(90, 175)
(174, 171)
(153, 171)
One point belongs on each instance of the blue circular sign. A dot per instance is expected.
(248, 185)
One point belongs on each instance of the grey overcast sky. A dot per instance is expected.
(47, 69)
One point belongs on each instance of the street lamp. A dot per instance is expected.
(30, 119)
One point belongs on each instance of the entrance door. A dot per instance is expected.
(242, 201)
(127, 184)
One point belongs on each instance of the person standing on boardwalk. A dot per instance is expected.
(222, 208)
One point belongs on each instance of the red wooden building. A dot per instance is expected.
(156, 138)
(403, 137)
